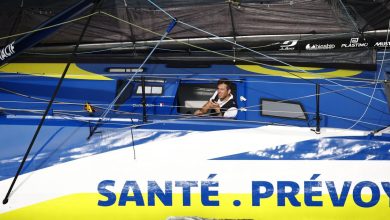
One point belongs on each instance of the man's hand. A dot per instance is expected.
(216, 107)
(198, 112)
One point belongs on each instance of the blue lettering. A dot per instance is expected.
(386, 188)
(154, 189)
(137, 195)
(309, 193)
(206, 192)
(357, 194)
(111, 197)
(282, 194)
(338, 201)
(186, 190)
(257, 195)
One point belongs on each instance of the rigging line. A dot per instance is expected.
(188, 44)
(65, 112)
(323, 93)
(59, 113)
(313, 113)
(97, 105)
(379, 73)
(329, 115)
(286, 71)
(287, 64)
(269, 57)
(350, 119)
(16, 21)
(313, 95)
(249, 61)
(5, 201)
(169, 29)
(207, 119)
(48, 27)
(78, 118)
(133, 39)
(242, 109)
(36, 98)
(349, 17)
(169, 76)
(190, 117)
(169, 15)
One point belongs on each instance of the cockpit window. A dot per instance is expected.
(280, 109)
(192, 96)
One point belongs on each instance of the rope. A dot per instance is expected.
(186, 116)
(380, 72)
(48, 27)
(220, 53)
(172, 24)
(256, 52)
(173, 106)
(349, 17)
(169, 76)
(319, 74)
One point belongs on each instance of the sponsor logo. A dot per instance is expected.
(147, 194)
(320, 46)
(7, 51)
(382, 44)
(353, 43)
(288, 45)
(354, 40)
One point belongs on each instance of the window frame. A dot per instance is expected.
(286, 102)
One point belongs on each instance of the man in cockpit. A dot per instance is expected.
(222, 103)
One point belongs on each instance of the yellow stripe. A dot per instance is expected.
(339, 73)
(51, 70)
(84, 206)
(292, 68)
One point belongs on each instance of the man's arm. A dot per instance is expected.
(206, 107)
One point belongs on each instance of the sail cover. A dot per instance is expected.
(308, 26)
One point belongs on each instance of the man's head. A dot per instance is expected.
(224, 88)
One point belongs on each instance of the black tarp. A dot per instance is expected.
(277, 17)
(259, 24)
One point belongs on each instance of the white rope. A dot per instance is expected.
(165, 106)
(176, 76)
(186, 116)
(264, 55)
(376, 84)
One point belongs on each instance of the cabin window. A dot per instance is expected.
(192, 96)
(275, 108)
(150, 90)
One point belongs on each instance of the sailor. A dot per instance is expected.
(222, 102)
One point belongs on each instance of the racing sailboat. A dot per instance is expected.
(98, 122)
